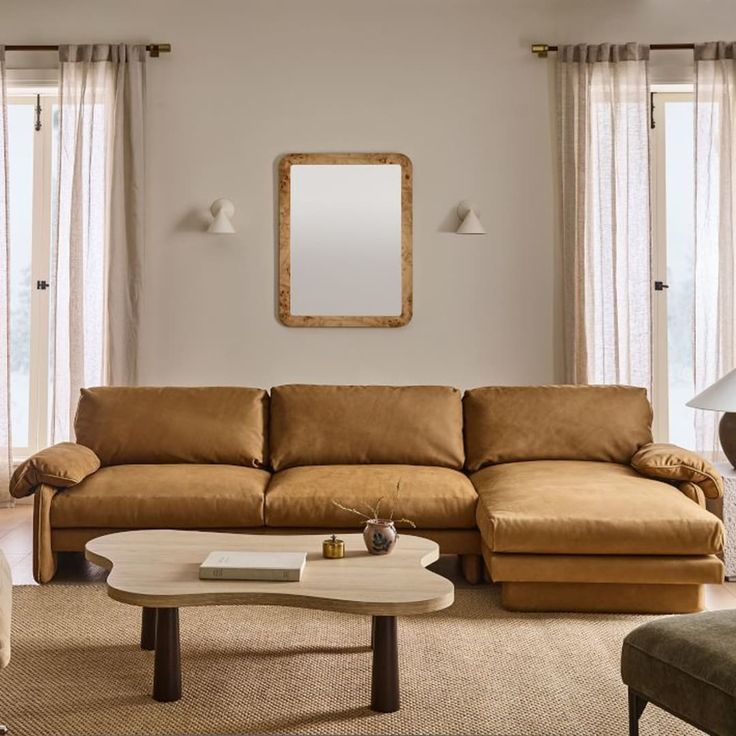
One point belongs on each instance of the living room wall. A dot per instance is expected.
(450, 83)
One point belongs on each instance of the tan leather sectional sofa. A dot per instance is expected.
(559, 488)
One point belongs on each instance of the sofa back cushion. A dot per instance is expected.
(226, 425)
(514, 423)
(349, 425)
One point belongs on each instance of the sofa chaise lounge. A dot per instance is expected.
(559, 488)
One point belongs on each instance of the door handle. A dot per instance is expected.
(660, 286)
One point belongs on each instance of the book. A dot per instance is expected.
(237, 565)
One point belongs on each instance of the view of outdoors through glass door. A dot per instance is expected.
(31, 172)
(673, 264)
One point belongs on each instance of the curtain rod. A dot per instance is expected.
(154, 49)
(542, 49)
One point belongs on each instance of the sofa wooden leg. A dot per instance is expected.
(636, 708)
(472, 566)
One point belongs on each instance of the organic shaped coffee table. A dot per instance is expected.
(158, 570)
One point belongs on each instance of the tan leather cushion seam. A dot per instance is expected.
(689, 467)
(680, 466)
(669, 462)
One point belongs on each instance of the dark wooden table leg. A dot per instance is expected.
(385, 679)
(148, 629)
(373, 631)
(167, 663)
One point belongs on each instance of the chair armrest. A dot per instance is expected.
(60, 466)
(673, 463)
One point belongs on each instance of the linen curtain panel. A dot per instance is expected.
(715, 231)
(603, 142)
(6, 440)
(98, 230)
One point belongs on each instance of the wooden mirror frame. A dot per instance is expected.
(294, 320)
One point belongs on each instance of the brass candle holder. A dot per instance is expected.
(333, 548)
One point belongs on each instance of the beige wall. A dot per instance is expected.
(450, 83)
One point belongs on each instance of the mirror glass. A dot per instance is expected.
(345, 222)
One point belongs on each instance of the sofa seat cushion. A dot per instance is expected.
(583, 507)
(166, 496)
(433, 498)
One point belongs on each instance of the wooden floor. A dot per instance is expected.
(16, 542)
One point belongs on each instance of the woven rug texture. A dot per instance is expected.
(77, 670)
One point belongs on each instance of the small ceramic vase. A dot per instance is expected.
(380, 536)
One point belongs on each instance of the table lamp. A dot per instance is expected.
(721, 396)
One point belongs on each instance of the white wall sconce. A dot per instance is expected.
(469, 222)
(222, 210)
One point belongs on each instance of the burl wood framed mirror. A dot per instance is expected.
(345, 240)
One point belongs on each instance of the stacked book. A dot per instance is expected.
(237, 565)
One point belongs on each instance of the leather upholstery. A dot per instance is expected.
(694, 492)
(60, 466)
(673, 463)
(516, 423)
(620, 568)
(226, 425)
(164, 496)
(433, 498)
(580, 507)
(602, 597)
(346, 425)
(585, 533)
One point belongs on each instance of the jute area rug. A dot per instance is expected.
(77, 670)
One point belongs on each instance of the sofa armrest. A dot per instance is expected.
(693, 491)
(60, 466)
(675, 464)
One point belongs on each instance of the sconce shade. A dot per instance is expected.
(469, 222)
(222, 210)
(721, 396)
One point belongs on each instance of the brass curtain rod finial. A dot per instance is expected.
(540, 49)
(156, 49)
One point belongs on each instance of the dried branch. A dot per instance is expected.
(375, 511)
(351, 510)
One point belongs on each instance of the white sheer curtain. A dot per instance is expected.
(6, 440)
(98, 239)
(604, 162)
(715, 229)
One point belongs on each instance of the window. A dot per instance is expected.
(31, 172)
(673, 228)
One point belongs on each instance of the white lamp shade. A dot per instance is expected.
(471, 225)
(469, 222)
(721, 396)
(222, 210)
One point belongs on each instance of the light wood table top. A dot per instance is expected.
(160, 569)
